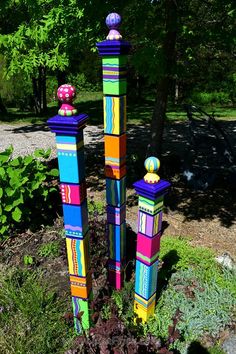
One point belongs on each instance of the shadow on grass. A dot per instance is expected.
(166, 271)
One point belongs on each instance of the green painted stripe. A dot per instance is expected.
(140, 255)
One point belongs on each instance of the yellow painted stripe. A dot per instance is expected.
(114, 72)
(69, 255)
(70, 147)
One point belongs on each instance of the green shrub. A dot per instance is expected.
(209, 98)
(25, 189)
(31, 316)
(50, 249)
(203, 292)
(81, 83)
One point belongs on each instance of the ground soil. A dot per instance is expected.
(207, 217)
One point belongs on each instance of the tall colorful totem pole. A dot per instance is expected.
(151, 190)
(114, 52)
(68, 126)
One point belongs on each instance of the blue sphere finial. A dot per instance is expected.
(113, 22)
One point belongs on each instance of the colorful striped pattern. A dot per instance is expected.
(148, 224)
(114, 104)
(77, 253)
(116, 215)
(79, 306)
(116, 191)
(114, 115)
(81, 286)
(76, 217)
(117, 241)
(115, 171)
(115, 161)
(145, 279)
(148, 248)
(73, 193)
(70, 153)
(152, 164)
(150, 206)
(143, 302)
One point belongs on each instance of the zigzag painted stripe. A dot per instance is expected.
(74, 228)
(145, 259)
(114, 81)
(143, 302)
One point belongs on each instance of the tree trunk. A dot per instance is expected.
(2, 107)
(44, 90)
(37, 103)
(158, 118)
(39, 91)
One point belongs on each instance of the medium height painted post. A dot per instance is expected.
(114, 52)
(151, 192)
(68, 127)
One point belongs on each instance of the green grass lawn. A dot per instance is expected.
(137, 113)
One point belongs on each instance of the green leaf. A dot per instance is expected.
(54, 172)
(28, 159)
(1, 192)
(15, 162)
(3, 229)
(2, 172)
(16, 214)
(5, 155)
(10, 191)
(8, 207)
(41, 153)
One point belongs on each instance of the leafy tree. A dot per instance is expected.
(42, 37)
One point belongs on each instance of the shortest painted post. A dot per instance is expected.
(68, 126)
(151, 190)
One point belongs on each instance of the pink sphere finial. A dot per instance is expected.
(113, 22)
(66, 93)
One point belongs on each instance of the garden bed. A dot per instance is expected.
(196, 298)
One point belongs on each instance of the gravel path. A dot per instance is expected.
(26, 138)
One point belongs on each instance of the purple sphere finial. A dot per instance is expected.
(113, 22)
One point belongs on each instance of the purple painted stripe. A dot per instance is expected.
(114, 76)
(114, 167)
(110, 68)
(149, 225)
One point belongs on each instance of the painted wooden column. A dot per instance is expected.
(68, 126)
(114, 52)
(151, 190)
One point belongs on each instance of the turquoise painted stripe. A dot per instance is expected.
(109, 114)
(78, 258)
(113, 65)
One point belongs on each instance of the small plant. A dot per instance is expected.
(95, 207)
(26, 185)
(28, 260)
(50, 249)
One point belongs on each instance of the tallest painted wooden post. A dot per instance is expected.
(114, 52)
